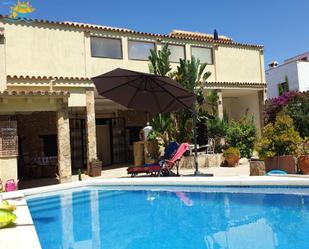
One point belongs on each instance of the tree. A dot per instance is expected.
(191, 75)
(242, 135)
(159, 61)
(160, 65)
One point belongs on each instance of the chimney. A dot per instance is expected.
(216, 36)
(273, 64)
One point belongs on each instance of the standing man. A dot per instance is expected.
(143, 135)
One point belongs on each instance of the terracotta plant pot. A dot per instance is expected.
(95, 168)
(303, 164)
(232, 161)
(285, 163)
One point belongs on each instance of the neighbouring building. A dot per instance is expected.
(50, 113)
(292, 75)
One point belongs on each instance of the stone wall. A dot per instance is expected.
(204, 161)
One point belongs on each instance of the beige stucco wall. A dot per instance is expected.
(44, 50)
(235, 64)
(57, 50)
(24, 104)
(8, 168)
(237, 107)
(2, 64)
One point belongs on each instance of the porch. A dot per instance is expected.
(42, 131)
(236, 99)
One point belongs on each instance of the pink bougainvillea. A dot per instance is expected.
(275, 105)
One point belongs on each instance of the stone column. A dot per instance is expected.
(261, 101)
(64, 145)
(220, 105)
(91, 127)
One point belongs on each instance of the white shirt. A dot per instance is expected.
(147, 129)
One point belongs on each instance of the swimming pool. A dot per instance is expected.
(173, 217)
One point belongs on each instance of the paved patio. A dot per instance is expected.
(120, 171)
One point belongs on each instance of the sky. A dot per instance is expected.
(281, 26)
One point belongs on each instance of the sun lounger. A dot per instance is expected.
(164, 167)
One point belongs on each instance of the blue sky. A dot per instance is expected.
(281, 26)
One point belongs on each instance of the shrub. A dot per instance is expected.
(242, 135)
(276, 105)
(298, 110)
(216, 128)
(279, 138)
(231, 152)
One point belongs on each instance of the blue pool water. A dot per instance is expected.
(212, 218)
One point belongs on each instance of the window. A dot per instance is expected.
(203, 54)
(106, 48)
(140, 50)
(177, 52)
(283, 87)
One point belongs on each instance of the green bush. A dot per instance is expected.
(242, 135)
(216, 128)
(279, 138)
(231, 152)
(298, 110)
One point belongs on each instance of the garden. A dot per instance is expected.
(284, 141)
(235, 139)
(283, 144)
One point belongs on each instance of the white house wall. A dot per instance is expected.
(303, 75)
(277, 75)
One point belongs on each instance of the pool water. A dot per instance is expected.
(136, 219)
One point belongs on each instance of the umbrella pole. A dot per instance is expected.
(196, 172)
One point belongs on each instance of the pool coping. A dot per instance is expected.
(24, 235)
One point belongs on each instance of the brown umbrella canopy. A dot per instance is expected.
(142, 91)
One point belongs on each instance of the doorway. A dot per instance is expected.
(103, 130)
(111, 141)
(78, 144)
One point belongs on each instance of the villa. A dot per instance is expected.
(292, 75)
(49, 108)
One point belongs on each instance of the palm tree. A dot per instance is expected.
(160, 65)
(191, 75)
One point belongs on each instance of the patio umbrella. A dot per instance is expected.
(143, 91)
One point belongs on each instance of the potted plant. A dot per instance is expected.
(279, 145)
(303, 160)
(151, 148)
(231, 156)
(95, 167)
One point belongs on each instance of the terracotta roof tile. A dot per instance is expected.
(22, 77)
(124, 30)
(257, 84)
(34, 93)
(189, 34)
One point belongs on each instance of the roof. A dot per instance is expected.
(25, 77)
(35, 93)
(190, 34)
(176, 34)
(234, 83)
